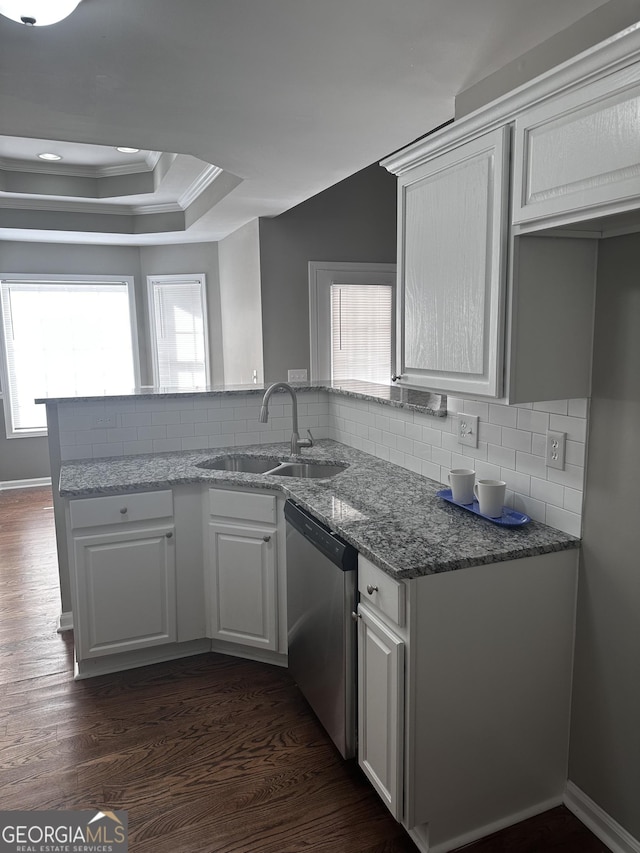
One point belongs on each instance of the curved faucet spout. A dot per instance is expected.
(296, 442)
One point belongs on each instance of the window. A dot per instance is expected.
(64, 337)
(352, 321)
(178, 322)
(361, 332)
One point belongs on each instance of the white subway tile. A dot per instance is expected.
(479, 452)
(489, 433)
(166, 445)
(450, 442)
(383, 452)
(563, 520)
(396, 425)
(539, 444)
(526, 463)
(431, 470)
(382, 422)
(164, 418)
(550, 493)
(136, 419)
(199, 442)
(132, 447)
(78, 451)
(413, 431)
(475, 407)
(530, 506)
(432, 436)
(517, 482)
(91, 436)
(405, 445)
(575, 453)
(413, 463)
(503, 415)
(504, 457)
(98, 451)
(572, 476)
(389, 440)
(485, 471)
(578, 408)
(516, 439)
(208, 428)
(528, 419)
(117, 435)
(555, 407)
(179, 430)
(193, 416)
(573, 500)
(375, 435)
(575, 428)
(396, 457)
(148, 433)
(441, 457)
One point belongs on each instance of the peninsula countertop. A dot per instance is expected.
(391, 515)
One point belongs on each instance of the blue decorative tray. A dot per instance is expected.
(509, 517)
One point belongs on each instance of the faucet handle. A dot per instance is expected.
(310, 439)
(306, 442)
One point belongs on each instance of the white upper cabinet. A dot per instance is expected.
(453, 219)
(577, 155)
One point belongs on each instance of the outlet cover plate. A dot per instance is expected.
(104, 422)
(555, 450)
(467, 429)
(299, 375)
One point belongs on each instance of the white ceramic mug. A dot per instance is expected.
(490, 495)
(461, 481)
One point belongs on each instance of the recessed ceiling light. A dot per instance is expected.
(49, 156)
(39, 13)
(124, 150)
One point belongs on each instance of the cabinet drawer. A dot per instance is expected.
(116, 509)
(381, 590)
(245, 505)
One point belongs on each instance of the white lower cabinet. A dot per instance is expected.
(124, 573)
(244, 571)
(464, 694)
(380, 707)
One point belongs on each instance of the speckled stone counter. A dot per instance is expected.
(388, 513)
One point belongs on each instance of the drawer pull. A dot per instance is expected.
(355, 616)
(371, 589)
(169, 535)
(266, 539)
(123, 511)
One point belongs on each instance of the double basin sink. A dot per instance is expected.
(273, 465)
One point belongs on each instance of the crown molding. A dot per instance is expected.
(204, 179)
(41, 167)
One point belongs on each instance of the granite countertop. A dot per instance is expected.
(427, 402)
(388, 513)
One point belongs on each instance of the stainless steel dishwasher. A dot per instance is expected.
(321, 596)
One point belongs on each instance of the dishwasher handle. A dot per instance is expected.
(334, 548)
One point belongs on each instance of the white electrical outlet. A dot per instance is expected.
(297, 375)
(104, 422)
(556, 443)
(468, 429)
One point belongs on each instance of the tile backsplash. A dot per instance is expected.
(511, 443)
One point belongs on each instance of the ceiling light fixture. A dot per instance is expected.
(37, 13)
(49, 155)
(124, 150)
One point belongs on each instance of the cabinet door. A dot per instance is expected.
(241, 585)
(577, 155)
(453, 222)
(380, 708)
(126, 586)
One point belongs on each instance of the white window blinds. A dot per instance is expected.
(179, 331)
(361, 332)
(64, 338)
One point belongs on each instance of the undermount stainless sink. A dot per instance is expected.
(245, 464)
(272, 465)
(309, 470)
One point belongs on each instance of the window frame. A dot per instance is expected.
(153, 340)
(324, 274)
(57, 278)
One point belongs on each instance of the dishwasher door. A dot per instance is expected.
(321, 596)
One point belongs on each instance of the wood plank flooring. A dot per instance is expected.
(210, 754)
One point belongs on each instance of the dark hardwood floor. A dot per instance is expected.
(209, 753)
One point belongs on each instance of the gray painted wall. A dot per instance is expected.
(355, 220)
(241, 301)
(605, 733)
(603, 22)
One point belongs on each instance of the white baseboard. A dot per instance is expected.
(65, 622)
(420, 834)
(25, 484)
(599, 822)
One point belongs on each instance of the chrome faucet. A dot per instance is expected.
(296, 442)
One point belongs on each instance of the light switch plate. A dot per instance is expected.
(299, 375)
(468, 429)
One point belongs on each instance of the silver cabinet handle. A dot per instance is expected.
(123, 511)
(355, 616)
(266, 539)
(371, 589)
(169, 535)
